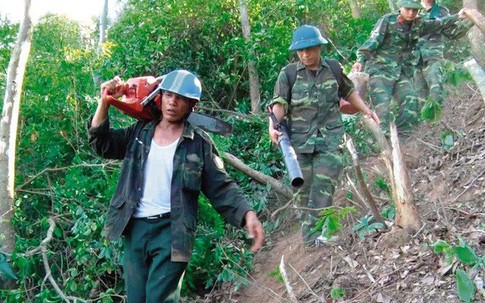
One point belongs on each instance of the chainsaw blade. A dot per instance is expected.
(210, 124)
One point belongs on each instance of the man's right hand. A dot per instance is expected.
(357, 67)
(113, 88)
(273, 133)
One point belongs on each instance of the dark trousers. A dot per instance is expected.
(150, 276)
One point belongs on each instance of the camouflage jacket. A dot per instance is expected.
(393, 44)
(312, 107)
(197, 168)
(431, 46)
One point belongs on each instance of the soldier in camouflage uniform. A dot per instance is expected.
(167, 163)
(429, 81)
(311, 108)
(391, 56)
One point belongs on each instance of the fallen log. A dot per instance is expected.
(258, 176)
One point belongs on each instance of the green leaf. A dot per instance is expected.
(440, 246)
(466, 255)
(447, 140)
(337, 293)
(431, 110)
(5, 267)
(464, 286)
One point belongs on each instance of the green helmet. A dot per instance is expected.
(183, 83)
(306, 36)
(410, 4)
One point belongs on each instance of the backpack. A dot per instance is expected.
(336, 69)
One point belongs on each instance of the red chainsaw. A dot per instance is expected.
(142, 100)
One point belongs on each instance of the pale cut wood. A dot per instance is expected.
(478, 75)
(407, 216)
(477, 19)
(475, 36)
(284, 275)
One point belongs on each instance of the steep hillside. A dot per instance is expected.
(450, 192)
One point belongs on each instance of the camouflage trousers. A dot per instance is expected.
(429, 81)
(395, 101)
(320, 172)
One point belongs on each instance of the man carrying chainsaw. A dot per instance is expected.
(308, 93)
(167, 162)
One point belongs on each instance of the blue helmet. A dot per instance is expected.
(306, 36)
(183, 83)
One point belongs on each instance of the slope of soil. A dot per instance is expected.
(450, 193)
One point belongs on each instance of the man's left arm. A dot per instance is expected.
(348, 92)
(227, 198)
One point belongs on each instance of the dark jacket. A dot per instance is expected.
(197, 168)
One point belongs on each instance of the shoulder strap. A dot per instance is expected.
(336, 69)
(290, 72)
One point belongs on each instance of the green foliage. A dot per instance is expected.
(456, 74)
(389, 212)
(464, 286)
(468, 257)
(382, 184)
(337, 293)
(8, 32)
(330, 221)
(367, 227)
(276, 273)
(153, 37)
(431, 110)
(215, 260)
(447, 139)
(361, 137)
(5, 268)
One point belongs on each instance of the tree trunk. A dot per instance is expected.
(253, 72)
(478, 74)
(355, 8)
(103, 22)
(475, 36)
(392, 6)
(407, 216)
(8, 127)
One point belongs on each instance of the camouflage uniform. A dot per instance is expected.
(392, 56)
(312, 106)
(197, 167)
(429, 81)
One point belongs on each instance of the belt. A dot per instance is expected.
(155, 217)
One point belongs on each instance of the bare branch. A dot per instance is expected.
(291, 294)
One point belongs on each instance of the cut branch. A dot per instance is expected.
(284, 276)
(366, 195)
(258, 176)
(478, 75)
(407, 216)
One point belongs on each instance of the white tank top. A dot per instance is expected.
(157, 181)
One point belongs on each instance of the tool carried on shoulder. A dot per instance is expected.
(142, 100)
(289, 156)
